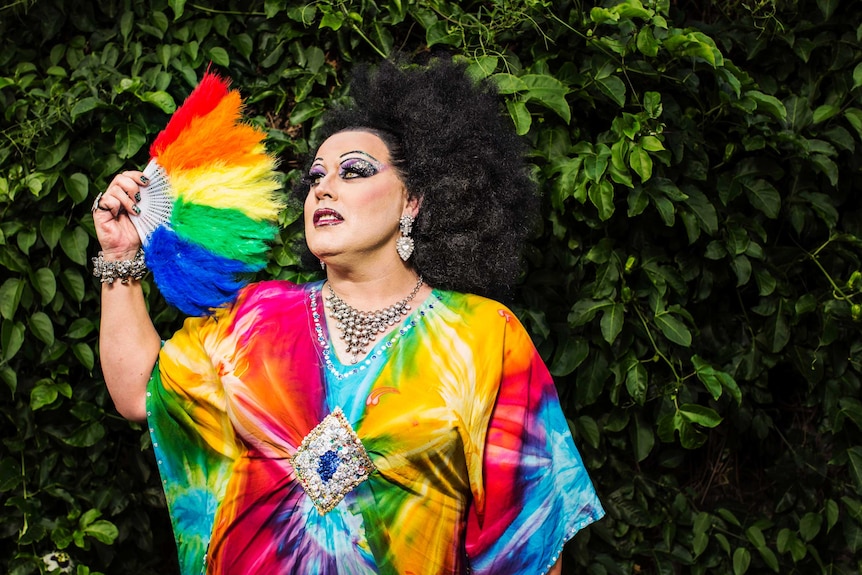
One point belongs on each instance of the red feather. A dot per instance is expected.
(203, 100)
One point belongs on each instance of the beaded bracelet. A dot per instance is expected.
(123, 270)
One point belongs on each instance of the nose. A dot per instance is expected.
(324, 188)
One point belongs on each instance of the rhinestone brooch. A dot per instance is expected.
(331, 461)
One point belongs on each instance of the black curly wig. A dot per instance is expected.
(455, 151)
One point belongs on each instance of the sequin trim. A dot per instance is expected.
(331, 461)
(382, 348)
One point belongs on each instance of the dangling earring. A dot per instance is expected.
(404, 245)
(322, 264)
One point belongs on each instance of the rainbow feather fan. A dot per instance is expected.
(209, 213)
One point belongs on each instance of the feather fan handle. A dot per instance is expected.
(209, 213)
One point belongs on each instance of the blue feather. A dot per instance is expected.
(191, 278)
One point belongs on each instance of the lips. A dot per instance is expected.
(327, 217)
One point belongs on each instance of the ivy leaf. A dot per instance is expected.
(637, 382)
(641, 162)
(162, 100)
(11, 338)
(219, 57)
(102, 531)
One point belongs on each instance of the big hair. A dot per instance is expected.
(457, 153)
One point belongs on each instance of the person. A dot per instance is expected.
(298, 432)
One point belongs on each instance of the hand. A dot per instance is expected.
(117, 235)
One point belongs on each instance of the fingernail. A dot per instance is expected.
(138, 197)
(136, 209)
(145, 180)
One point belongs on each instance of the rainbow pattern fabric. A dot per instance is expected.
(220, 186)
(474, 462)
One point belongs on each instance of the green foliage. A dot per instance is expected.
(696, 287)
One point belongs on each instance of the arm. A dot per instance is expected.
(128, 343)
(557, 569)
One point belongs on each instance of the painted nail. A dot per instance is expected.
(138, 197)
(136, 209)
(145, 180)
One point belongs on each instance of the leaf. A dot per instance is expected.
(643, 438)
(439, 34)
(84, 353)
(83, 106)
(44, 393)
(74, 243)
(641, 162)
(178, 6)
(831, 512)
(51, 227)
(85, 436)
(602, 196)
(219, 57)
(673, 329)
(824, 112)
(103, 531)
(569, 355)
(699, 414)
(128, 140)
(81, 327)
(550, 92)
(74, 284)
(520, 116)
(45, 284)
(585, 310)
(637, 382)
(809, 525)
(11, 338)
(764, 197)
(162, 100)
(612, 322)
(703, 210)
(614, 88)
(854, 465)
(42, 327)
(741, 560)
(857, 76)
(10, 297)
(508, 83)
(768, 104)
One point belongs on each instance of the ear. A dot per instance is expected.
(412, 206)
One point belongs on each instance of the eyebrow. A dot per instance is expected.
(360, 152)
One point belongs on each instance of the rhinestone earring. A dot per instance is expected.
(404, 245)
(322, 264)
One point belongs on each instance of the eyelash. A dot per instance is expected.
(350, 169)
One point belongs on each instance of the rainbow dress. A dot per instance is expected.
(472, 466)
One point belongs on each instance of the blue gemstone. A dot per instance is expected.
(327, 464)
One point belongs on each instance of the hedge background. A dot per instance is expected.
(695, 289)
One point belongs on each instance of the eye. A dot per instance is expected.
(313, 177)
(357, 168)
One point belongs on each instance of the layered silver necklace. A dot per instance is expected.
(359, 328)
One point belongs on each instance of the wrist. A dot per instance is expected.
(124, 270)
(118, 254)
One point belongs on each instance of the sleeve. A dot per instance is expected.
(193, 439)
(534, 492)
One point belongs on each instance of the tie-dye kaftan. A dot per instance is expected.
(475, 466)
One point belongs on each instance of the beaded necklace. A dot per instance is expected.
(381, 350)
(359, 328)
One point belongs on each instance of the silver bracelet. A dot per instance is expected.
(123, 270)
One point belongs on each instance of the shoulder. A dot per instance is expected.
(472, 305)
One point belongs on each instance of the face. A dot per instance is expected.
(355, 201)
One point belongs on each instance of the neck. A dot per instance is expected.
(370, 291)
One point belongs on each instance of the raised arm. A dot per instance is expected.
(128, 343)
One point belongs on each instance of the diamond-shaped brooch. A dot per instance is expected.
(331, 461)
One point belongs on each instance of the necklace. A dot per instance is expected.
(359, 328)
